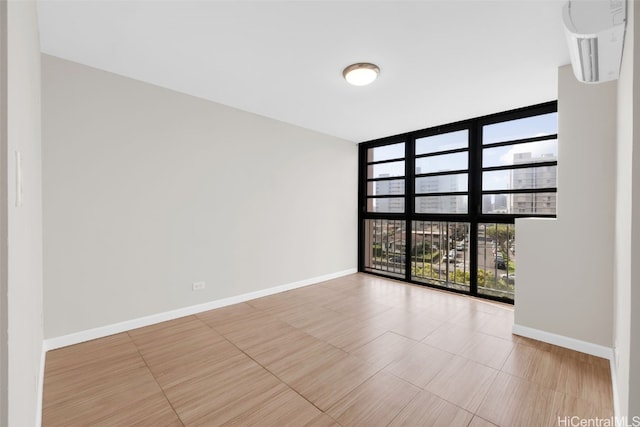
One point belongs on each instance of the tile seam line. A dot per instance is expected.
(155, 379)
(264, 367)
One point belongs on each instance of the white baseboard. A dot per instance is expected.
(614, 385)
(577, 345)
(40, 389)
(103, 331)
(562, 341)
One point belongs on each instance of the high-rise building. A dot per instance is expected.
(440, 204)
(487, 203)
(532, 178)
(500, 203)
(391, 188)
(494, 203)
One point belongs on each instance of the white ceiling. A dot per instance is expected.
(440, 61)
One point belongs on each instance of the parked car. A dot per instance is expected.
(450, 257)
(509, 278)
(398, 258)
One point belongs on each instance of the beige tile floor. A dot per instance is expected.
(354, 351)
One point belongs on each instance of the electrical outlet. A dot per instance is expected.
(198, 286)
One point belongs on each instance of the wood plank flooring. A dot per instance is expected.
(354, 351)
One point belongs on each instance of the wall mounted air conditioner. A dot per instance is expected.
(595, 33)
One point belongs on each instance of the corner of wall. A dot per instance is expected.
(23, 199)
(40, 386)
(556, 294)
(4, 316)
(627, 222)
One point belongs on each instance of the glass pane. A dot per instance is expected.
(531, 152)
(443, 142)
(528, 127)
(441, 204)
(520, 203)
(542, 177)
(496, 203)
(386, 152)
(442, 183)
(440, 253)
(385, 188)
(384, 243)
(496, 260)
(385, 170)
(386, 204)
(443, 163)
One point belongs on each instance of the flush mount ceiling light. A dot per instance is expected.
(361, 74)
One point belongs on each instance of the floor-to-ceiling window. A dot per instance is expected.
(437, 206)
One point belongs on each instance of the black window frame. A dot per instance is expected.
(474, 215)
(364, 171)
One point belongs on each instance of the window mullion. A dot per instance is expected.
(409, 204)
(475, 201)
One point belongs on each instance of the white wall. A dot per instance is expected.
(627, 248)
(4, 312)
(24, 223)
(147, 190)
(565, 266)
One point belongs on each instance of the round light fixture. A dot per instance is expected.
(361, 74)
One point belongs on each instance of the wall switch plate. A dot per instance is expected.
(198, 286)
(18, 179)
